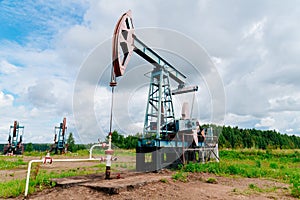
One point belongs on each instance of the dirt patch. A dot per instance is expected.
(164, 187)
(115, 185)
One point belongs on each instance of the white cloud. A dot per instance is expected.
(7, 68)
(285, 103)
(6, 99)
(234, 119)
(266, 122)
(256, 30)
(290, 130)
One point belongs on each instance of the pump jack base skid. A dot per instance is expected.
(158, 155)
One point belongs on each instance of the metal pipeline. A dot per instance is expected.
(95, 145)
(52, 160)
(49, 160)
(28, 174)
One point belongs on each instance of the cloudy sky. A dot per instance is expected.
(55, 57)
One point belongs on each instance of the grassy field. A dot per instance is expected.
(7, 163)
(279, 165)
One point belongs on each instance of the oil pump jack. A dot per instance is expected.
(15, 146)
(59, 138)
(167, 141)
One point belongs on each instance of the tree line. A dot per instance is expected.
(237, 138)
(229, 137)
(124, 142)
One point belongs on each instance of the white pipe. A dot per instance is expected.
(28, 174)
(47, 158)
(53, 160)
(91, 149)
(74, 160)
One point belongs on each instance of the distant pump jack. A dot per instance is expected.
(59, 145)
(15, 139)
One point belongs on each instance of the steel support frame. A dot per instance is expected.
(159, 109)
(60, 138)
(60, 133)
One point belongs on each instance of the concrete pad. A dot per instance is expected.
(114, 185)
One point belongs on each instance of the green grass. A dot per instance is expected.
(164, 180)
(212, 180)
(7, 162)
(280, 165)
(12, 188)
(180, 176)
(252, 189)
(295, 181)
(34, 153)
(97, 151)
